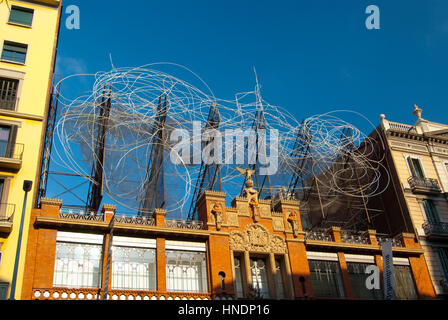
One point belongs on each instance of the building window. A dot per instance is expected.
(279, 282)
(238, 277)
(8, 135)
(3, 290)
(404, 283)
(14, 52)
(21, 15)
(8, 93)
(443, 257)
(186, 271)
(358, 276)
(430, 211)
(259, 277)
(133, 268)
(77, 265)
(326, 279)
(415, 167)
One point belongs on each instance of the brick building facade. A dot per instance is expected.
(253, 249)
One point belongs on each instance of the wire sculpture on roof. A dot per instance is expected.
(123, 138)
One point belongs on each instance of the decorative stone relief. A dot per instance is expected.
(265, 211)
(256, 238)
(277, 224)
(243, 209)
(217, 213)
(232, 218)
(293, 221)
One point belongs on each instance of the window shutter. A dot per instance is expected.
(21, 15)
(431, 211)
(12, 142)
(443, 256)
(411, 166)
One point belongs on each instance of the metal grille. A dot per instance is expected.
(186, 271)
(133, 268)
(77, 265)
(326, 279)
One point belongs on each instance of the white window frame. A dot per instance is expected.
(413, 156)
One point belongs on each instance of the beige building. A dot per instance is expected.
(416, 157)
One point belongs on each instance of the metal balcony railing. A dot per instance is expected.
(184, 224)
(10, 150)
(7, 211)
(424, 183)
(318, 234)
(349, 236)
(381, 238)
(435, 228)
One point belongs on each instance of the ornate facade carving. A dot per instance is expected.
(256, 238)
(217, 213)
(277, 224)
(293, 221)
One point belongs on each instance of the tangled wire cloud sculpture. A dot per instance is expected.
(131, 131)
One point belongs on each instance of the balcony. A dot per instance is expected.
(11, 155)
(424, 185)
(435, 229)
(6, 217)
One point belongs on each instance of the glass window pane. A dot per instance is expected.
(259, 277)
(326, 279)
(14, 52)
(404, 283)
(358, 277)
(77, 265)
(133, 268)
(238, 277)
(186, 271)
(279, 279)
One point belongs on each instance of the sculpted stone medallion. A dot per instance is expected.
(256, 238)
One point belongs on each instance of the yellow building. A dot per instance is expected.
(416, 157)
(28, 40)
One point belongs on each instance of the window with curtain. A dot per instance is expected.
(326, 279)
(133, 268)
(14, 52)
(259, 277)
(21, 15)
(430, 211)
(279, 284)
(77, 265)
(186, 271)
(416, 167)
(238, 277)
(358, 276)
(404, 283)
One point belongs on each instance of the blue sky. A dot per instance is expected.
(311, 57)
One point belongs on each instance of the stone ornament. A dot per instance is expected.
(256, 238)
(292, 220)
(251, 194)
(218, 214)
